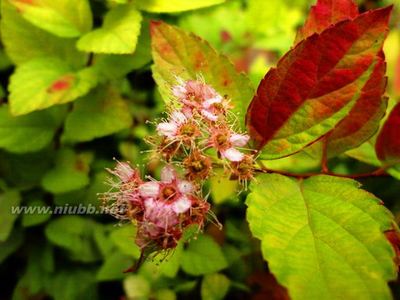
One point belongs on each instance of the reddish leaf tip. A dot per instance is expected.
(154, 24)
(388, 144)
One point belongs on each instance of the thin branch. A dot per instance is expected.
(377, 173)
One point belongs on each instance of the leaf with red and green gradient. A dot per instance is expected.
(316, 84)
(364, 118)
(177, 53)
(387, 145)
(44, 82)
(326, 13)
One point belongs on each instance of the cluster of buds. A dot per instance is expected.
(197, 136)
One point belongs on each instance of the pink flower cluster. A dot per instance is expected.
(199, 123)
(198, 136)
(161, 209)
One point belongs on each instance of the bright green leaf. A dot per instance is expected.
(28, 133)
(9, 200)
(322, 237)
(137, 287)
(165, 294)
(65, 18)
(222, 188)
(177, 53)
(118, 35)
(45, 82)
(214, 287)
(203, 256)
(171, 6)
(24, 41)
(69, 174)
(98, 114)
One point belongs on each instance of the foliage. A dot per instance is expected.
(84, 81)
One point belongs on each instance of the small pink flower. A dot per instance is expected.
(225, 142)
(169, 190)
(239, 140)
(160, 213)
(171, 129)
(232, 154)
(149, 189)
(125, 172)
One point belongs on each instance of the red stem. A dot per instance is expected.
(376, 173)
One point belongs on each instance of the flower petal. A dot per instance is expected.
(124, 171)
(207, 103)
(232, 154)
(209, 115)
(168, 129)
(149, 189)
(185, 187)
(168, 174)
(239, 140)
(181, 205)
(178, 118)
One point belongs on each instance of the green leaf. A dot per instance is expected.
(24, 41)
(222, 188)
(322, 237)
(35, 218)
(9, 246)
(69, 174)
(177, 53)
(65, 18)
(171, 6)
(13, 168)
(366, 154)
(214, 287)
(45, 82)
(74, 284)
(113, 267)
(137, 287)
(165, 294)
(98, 114)
(8, 200)
(118, 35)
(116, 66)
(124, 239)
(27, 133)
(203, 256)
(74, 234)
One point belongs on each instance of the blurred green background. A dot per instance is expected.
(58, 156)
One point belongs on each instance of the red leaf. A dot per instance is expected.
(387, 145)
(321, 75)
(326, 13)
(364, 118)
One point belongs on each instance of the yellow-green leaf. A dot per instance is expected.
(322, 237)
(64, 18)
(118, 35)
